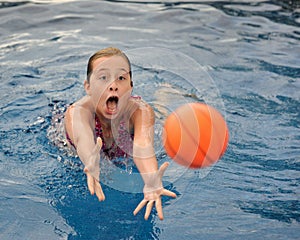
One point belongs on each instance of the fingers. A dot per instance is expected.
(163, 168)
(158, 205)
(94, 186)
(159, 209)
(148, 209)
(98, 146)
(168, 193)
(99, 191)
(140, 206)
(99, 142)
(90, 183)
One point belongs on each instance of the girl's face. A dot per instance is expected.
(109, 86)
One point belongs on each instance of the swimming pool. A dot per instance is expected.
(240, 56)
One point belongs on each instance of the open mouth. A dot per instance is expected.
(112, 104)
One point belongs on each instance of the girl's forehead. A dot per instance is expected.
(110, 63)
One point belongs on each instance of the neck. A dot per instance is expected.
(108, 123)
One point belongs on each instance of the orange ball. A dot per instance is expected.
(195, 135)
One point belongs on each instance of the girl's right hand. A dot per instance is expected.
(94, 186)
(92, 170)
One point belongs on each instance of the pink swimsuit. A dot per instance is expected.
(121, 147)
(122, 144)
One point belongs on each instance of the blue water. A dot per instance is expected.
(239, 56)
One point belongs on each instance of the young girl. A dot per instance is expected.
(108, 118)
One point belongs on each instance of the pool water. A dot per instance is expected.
(240, 56)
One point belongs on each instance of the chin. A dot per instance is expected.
(105, 113)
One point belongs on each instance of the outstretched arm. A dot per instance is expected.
(145, 160)
(79, 125)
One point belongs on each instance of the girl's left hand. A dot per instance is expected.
(153, 190)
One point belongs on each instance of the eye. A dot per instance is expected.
(102, 77)
(122, 77)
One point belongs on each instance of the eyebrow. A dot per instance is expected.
(122, 69)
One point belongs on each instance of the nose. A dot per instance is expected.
(113, 87)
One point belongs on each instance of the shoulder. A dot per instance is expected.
(81, 110)
(137, 103)
(83, 105)
(142, 111)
